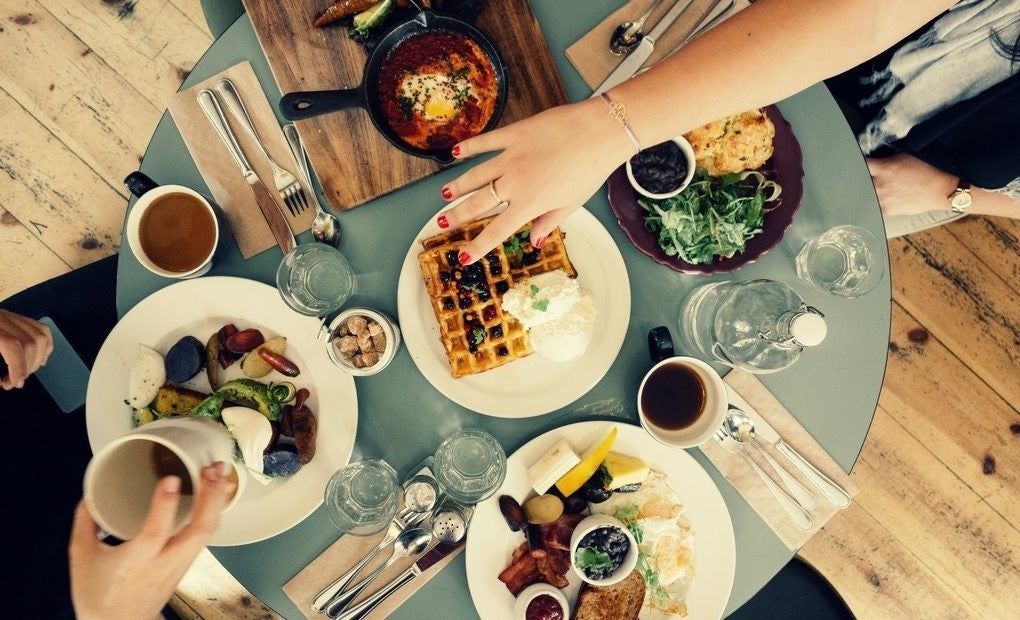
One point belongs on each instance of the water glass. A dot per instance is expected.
(362, 498)
(844, 260)
(315, 279)
(469, 465)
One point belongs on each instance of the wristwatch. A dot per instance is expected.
(960, 198)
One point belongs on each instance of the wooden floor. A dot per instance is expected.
(933, 533)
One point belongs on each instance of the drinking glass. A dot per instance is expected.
(362, 498)
(469, 465)
(315, 279)
(844, 260)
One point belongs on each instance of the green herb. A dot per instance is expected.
(514, 246)
(659, 594)
(628, 515)
(534, 290)
(541, 305)
(714, 216)
(589, 558)
(477, 336)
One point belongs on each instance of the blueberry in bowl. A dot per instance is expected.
(663, 170)
(602, 550)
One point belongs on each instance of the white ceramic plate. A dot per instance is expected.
(198, 308)
(490, 542)
(533, 385)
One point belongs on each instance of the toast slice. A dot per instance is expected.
(621, 601)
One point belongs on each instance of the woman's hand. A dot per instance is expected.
(549, 165)
(137, 578)
(25, 345)
(906, 185)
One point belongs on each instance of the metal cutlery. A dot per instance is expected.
(832, 491)
(628, 34)
(644, 49)
(286, 183)
(270, 209)
(800, 517)
(740, 427)
(325, 226)
(410, 543)
(405, 520)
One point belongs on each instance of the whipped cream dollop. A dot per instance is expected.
(558, 314)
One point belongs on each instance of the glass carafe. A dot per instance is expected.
(760, 326)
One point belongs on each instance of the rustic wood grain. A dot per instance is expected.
(943, 285)
(995, 241)
(209, 591)
(20, 248)
(353, 161)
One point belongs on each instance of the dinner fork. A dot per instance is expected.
(800, 517)
(406, 518)
(287, 185)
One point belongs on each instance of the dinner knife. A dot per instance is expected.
(270, 209)
(832, 491)
(428, 559)
(640, 54)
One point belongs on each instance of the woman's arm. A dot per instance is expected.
(554, 161)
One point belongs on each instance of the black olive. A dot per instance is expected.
(594, 488)
(575, 503)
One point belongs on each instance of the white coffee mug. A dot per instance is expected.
(122, 475)
(188, 239)
(682, 402)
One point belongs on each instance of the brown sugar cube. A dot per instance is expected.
(357, 324)
(369, 358)
(379, 340)
(348, 346)
(365, 342)
(342, 330)
(374, 328)
(357, 361)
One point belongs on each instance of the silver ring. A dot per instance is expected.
(499, 201)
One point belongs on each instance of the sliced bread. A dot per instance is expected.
(620, 601)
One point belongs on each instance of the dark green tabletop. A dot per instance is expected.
(832, 391)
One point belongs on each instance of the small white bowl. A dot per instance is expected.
(688, 152)
(592, 523)
(534, 591)
(389, 328)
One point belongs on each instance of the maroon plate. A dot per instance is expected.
(785, 167)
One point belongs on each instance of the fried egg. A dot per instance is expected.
(434, 96)
(667, 540)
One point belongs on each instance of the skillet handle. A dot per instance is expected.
(306, 104)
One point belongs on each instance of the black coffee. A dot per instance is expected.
(673, 397)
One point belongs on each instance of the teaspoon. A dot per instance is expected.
(325, 226)
(628, 34)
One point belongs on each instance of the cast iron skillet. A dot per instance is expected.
(302, 105)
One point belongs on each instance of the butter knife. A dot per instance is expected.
(270, 210)
(832, 491)
(428, 559)
(636, 59)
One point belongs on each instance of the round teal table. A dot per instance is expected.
(833, 391)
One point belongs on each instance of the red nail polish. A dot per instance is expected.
(539, 243)
(455, 151)
(447, 193)
(463, 258)
(443, 222)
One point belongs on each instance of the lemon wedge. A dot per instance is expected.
(590, 461)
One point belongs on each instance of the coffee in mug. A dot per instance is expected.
(682, 401)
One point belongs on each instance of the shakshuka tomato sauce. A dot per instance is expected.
(436, 89)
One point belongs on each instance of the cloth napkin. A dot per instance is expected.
(590, 54)
(229, 189)
(748, 393)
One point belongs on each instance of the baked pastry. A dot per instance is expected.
(733, 144)
(620, 601)
(476, 334)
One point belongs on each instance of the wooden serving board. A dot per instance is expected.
(352, 160)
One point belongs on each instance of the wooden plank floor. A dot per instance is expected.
(933, 533)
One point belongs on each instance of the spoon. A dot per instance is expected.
(409, 543)
(325, 226)
(741, 427)
(628, 34)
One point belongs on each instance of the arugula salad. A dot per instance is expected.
(713, 216)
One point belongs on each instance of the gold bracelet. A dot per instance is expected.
(619, 112)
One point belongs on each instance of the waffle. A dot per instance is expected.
(476, 334)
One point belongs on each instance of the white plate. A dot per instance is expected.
(198, 308)
(490, 542)
(533, 385)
